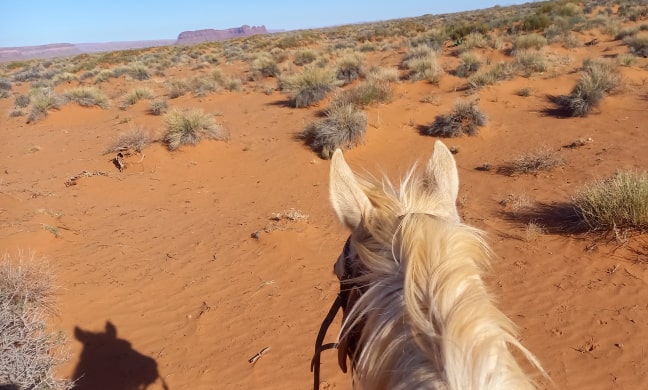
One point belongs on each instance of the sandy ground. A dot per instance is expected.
(160, 280)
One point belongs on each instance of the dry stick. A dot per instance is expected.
(256, 357)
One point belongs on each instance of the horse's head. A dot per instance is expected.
(373, 211)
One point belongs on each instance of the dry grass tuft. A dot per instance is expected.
(29, 355)
(465, 118)
(344, 127)
(87, 96)
(188, 127)
(543, 159)
(620, 202)
(310, 86)
(135, 139)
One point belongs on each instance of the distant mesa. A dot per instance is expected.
(69, 49)
(199, 36)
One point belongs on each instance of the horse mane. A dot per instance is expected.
(426, 317)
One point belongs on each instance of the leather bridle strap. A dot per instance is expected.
(319, 347)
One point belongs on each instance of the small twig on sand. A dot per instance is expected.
(256, 357)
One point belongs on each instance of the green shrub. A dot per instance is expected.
(87, 96)
(343, 127)
(620, 202)
(310, 86)
(188, 127)
(465, 118)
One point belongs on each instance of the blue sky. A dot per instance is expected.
(38, 22)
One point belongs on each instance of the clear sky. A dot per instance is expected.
(37, 22)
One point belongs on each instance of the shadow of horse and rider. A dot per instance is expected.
(108, 362)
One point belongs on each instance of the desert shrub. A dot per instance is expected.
(158, 107)
(188, 127)
(598, 79)
(29, 353)
(638, 43)
(22, 101)
(470, 64)
(627, 59)
(626, 32)
(304, 57)
(263, 66)
(383, 74)
(349, 68)
(139, 72)
(43, 100)
(620, 202)
(201, 86)
(310, 86)
(135, 95)
(16, 112)
(5, 87)
(530, 61)
(233, 84)
(525, 92)
(368, 92)
(465, 118)
(543, 159)
(422, 64)
(536, 22)
(87, 96)
(343, 127)
(279, 54)
(104, 75)
(529, 41)
(135, 139)
(495, 73)
(178, 88)
(474, 40)
(64, 77)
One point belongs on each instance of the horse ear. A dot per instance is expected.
(441, 172)
(347, 197)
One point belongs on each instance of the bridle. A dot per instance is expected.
(349, 293)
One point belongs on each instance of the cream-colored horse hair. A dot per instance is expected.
(428, 321)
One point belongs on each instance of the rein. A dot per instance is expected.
(346, 298)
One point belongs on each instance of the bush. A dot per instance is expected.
(343, 127)
(383, 74)
(188, 127)
(497, 72)
(529, 41)
(158, 107)
(178, 88)
(638, 43)
(263, 66)
(530, 61)
(620, 202)
(29, 354)
(470, 64)
(87, 96)
(22, 101)
(43, 100)
(349, 68)
(136, 139)
(139, 72)
(368, 92)
(135, 95)
(310, 86)
(423, 65)
(598, 79)
(304, 57)
(464, 119)
(543, 159)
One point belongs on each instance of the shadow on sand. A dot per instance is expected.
(108, 362)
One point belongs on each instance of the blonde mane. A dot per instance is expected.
(425, 318)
